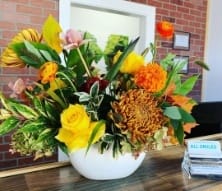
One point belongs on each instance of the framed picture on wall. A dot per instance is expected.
(181, 40)
(178, 59)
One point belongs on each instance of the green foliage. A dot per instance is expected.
(186, 86)
(202, 64)
(173, 112)
(8, 125)
(31, 126)
(111, 74)
(115, 43)
(178, 130)
(24, 110)
(92, 101)
(93, 51)
(94, 133)
(35, 54)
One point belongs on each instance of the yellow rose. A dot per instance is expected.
(79, 139)
(73, 141)
(75, 118)
(131, 64)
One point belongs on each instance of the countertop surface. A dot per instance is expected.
(160, 171)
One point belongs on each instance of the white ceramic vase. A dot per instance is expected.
(96, 166)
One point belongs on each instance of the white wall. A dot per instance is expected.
(102, 23)
(212, 80)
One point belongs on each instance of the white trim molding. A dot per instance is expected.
(145, 13)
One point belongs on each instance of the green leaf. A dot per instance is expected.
(30, 61)
(172, 73)
(187, 86)
(4, 101)
(115, 69)
(51, 111)
(39, 106)
(145, 52)
(63, 147)
(93, 51)
(167, 62)
(46, 55)
(178, 130)
(40, 46)
(108, 138)
(24, 110)
(83, 96)
(74, 62)
(173, 112)
(115, 41)
(94, 132)
(94, 90)
(32, 126)
(8, 125)
(46, 134)
(186, 117)
(35, 58)
(202, 64)
(33, 50)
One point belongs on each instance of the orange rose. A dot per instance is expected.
(47, 72)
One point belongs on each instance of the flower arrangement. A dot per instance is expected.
(134, 106)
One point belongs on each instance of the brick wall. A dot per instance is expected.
(16, 15)
(187, 15)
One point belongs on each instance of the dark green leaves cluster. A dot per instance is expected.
(35, 54)
(36, 125)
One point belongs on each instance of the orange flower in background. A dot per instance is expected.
(151, 77)
(47, 72)
(165, 29)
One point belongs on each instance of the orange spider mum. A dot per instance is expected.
(151, 77)
(165, 29)
(138, 114)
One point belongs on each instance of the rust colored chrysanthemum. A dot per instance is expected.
(165, 29)
(138, 115)
(151, 77)
(9, 58)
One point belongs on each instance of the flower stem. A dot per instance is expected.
(67, 78)
(84, 63)
(56, 98)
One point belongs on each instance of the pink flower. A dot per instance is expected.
(18, 87)
(73, 39)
